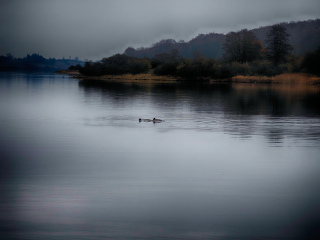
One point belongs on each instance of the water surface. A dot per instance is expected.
(229, 162)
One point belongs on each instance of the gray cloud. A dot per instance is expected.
(96, 29)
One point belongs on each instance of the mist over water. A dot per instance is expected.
(228, 162)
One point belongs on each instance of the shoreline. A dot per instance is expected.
(285, 78)
(130, 78)
(69, 72)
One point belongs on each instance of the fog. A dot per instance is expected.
(96, 29)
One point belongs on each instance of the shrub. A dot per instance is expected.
(264, 68)
(310, 62)
(240, 69)
(200, 67)
(166, 69)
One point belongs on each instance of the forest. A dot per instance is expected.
(243, 54)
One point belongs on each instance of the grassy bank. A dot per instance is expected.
(285, 78)
(130, 78)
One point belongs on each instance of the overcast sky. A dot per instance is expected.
(100, 28)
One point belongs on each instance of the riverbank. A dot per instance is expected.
(130, 78)
(69, 72)
(285, 78)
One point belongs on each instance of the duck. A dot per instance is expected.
(155, 120)
(145, 120)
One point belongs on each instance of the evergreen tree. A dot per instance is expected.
(278, 45)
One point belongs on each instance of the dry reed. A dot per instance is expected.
(130, 78)
(296, 78)
(285, 78)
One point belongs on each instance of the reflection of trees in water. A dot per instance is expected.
(116, 93)
(275, 135)
(197, 98)
(312, 103)
(31, 80)
(239, 125)
(241, 110)
(253, 101)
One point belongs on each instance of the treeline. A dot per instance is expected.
(243, 55)
(35, 62)
(174, 65)
(115, 65)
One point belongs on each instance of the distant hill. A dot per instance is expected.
(304, 37)
(207, 45)
(35, 62)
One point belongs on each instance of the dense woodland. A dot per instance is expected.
(174, 65)
(243, 54)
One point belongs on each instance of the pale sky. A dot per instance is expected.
(100, 28)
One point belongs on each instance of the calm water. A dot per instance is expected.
(229, 162)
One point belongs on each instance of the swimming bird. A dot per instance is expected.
(155, 120)
(145, 120)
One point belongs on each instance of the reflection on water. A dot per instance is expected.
(229, 162)
(275, 112)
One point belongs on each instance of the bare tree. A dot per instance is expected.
(241, 46)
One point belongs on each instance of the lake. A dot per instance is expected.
(228, 162)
